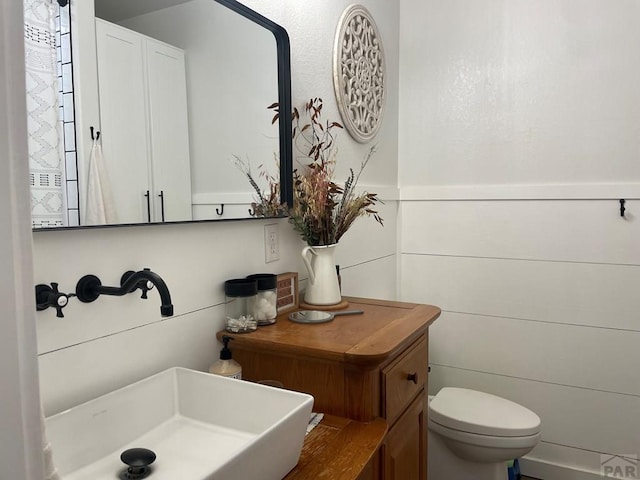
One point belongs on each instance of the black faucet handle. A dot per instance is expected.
(143, 285)
(49, 296)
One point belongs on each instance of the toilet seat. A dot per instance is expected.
(482, 414)
(487, 441)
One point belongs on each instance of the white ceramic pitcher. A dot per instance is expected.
(322, 287)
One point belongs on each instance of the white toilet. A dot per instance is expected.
(473, 434)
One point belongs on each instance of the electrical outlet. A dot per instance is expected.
(271, 243)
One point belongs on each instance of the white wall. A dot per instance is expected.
(113, 341)
(520, 92)
(311, 27)
(518, 134)
(232, 77)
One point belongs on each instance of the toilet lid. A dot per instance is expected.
(482, 413)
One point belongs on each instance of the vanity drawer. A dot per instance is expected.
(404, 379)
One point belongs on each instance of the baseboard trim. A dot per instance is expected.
(536, 468)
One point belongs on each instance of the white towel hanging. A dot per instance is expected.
(100, 208)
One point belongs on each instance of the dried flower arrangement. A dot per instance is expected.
(323, 211)
(265, 204)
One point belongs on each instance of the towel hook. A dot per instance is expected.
(622, 207)
(96, 136)
(252, 212)
(220, 210)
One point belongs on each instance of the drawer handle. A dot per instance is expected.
(413, 377)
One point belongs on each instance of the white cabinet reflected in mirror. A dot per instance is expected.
(177, 89)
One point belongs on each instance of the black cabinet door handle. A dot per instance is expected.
(148, 207)
(162, 204)
(413, 377)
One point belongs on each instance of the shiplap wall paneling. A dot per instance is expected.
(194, 269)
(540, 306)
(602, 295)
(583, 357)
(114, 361)
(563, 230)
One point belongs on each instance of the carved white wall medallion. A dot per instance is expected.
(359, 73)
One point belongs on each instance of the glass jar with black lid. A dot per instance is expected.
(240, 294)
(264, 306)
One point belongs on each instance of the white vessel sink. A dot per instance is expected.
(200, 426)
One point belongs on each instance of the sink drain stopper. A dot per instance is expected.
(138, 460)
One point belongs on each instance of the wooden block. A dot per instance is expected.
(287, 299)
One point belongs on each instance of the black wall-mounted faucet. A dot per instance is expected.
(89, 288)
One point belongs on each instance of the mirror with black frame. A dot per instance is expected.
(183, 89)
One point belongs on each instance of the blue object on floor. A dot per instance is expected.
(513, 468)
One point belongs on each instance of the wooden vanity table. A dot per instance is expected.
(366, 369)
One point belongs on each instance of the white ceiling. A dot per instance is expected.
(118, 10)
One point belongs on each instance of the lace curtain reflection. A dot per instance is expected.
(43, 117)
